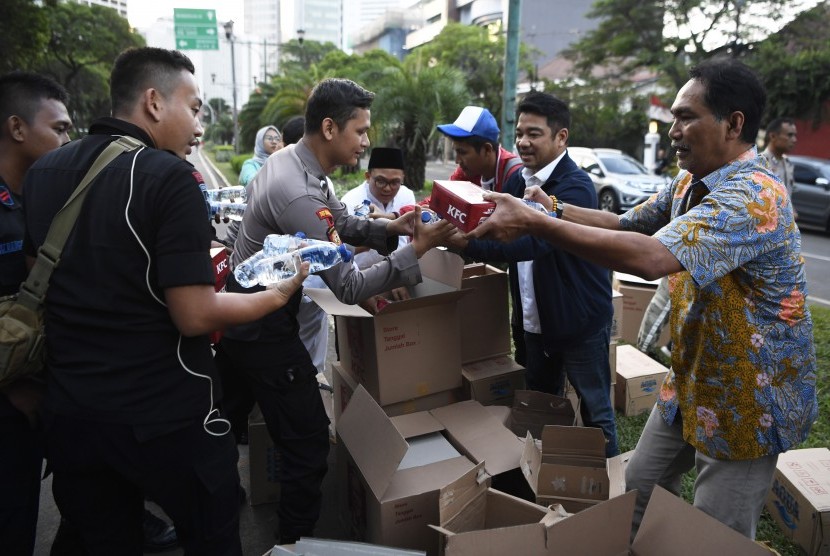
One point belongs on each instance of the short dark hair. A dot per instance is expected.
(732, 86)
(292, 131)
(775, 125)
(543, 104)
(477, 142)
(336, 99)
(138, 69)
(21, 93)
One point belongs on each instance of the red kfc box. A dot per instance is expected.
(221, 269)
(461, 203)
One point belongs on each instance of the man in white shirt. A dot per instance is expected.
(385, 191)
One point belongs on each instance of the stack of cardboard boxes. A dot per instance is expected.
(421, 461)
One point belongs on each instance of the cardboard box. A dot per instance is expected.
(344, 386)
(493, 381)
(478, 520)
(392, 505)
(799, 501)
(264, 464)
(460, 203)
(569, 468)
(617, 317)
(670, 526)
(409, 349)
(637, 294)
(639, 378)
(612, 360)
(532, 411)
(324, 547)
(485, 313)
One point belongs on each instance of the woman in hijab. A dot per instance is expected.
(268, 141)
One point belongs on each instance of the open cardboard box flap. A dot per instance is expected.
(670, 521)
(483, 437)
(364, 422)
(441, 272)
(562, 441)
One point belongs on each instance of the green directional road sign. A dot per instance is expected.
(195, 29)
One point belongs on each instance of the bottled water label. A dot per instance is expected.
(226, 210)
(233, 194)
(362, 210)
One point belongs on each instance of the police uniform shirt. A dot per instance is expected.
(291, 194)
(12, 262)
(114, 351)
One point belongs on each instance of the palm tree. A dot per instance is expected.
(410, 99)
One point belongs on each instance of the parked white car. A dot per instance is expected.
(620, 180)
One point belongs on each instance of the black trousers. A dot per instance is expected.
(102, 471)
(21, 458)
(283, 381)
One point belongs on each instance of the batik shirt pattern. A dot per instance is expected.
(743, 360)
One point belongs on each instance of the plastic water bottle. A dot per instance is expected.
(245, 272)
(277, 244)
(226, 210)
(234, 194)
(429, 217)
(268, 270)
(362, 210)
(537, 206)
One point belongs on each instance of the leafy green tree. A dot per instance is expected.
(83, 44)
(668, 35)
(598, 118)
(299, 56)
(23, 35)
(478, 53)
(795, 66)
(410, 100)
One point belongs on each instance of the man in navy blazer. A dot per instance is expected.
(564, 301)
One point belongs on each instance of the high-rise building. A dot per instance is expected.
(119, 5)
(548, 25)
(319, 20)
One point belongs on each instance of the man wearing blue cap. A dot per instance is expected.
(483, 161)
(480, 158)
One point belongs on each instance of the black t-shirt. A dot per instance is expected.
(113, 351)
(12, 262)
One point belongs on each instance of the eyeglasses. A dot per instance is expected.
(383, 182)
(274, 138)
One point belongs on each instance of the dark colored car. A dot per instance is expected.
(811, 191)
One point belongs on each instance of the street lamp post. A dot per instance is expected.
(230, 37)
(301, 39)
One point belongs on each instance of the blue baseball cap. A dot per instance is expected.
(473, 121)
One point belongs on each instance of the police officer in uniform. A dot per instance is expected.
(33, 121)
(130, 405)
(290, 194)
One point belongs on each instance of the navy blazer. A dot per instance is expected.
(573, 296)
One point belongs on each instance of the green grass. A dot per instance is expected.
(224, 167)
(629, 429)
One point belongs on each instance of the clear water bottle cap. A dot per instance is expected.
(367, 202)
(300, 235)
(345, 254)
(426, 217)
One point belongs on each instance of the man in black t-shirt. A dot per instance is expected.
(130, 405)
(33, 121)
